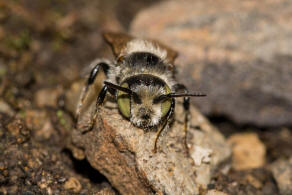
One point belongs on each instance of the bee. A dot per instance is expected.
(141, 81)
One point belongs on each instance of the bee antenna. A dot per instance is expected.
(198, 94)
(175, 95)
(123, 89)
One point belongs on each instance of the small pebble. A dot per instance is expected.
(248, 151)
(73, 184)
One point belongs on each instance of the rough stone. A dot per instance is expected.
(238, 52)
(124, 153)
(248, 151)
(282, 172)
(48, 97)
(73, 184)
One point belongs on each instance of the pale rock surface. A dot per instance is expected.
(124, 153)
(238, 52)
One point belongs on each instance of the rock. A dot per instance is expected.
(282, 172)
(73, 184)
(35, 119)
(39, 122)
(48, 97)
(124, 154)
(238, 52)
(248, 151)
(19, 130)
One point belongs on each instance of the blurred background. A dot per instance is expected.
(237, 52)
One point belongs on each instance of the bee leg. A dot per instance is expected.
(186, 106)
(169, 114)
(99, 101)
(94, 72)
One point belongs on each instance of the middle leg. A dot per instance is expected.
(186, 106)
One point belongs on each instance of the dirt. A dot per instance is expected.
(44, 46)
(258, 180)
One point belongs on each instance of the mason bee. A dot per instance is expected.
(142, 82)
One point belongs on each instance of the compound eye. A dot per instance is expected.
(124, 102)
(165, 105)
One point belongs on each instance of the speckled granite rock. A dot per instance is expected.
(124, 154)
(238, 52)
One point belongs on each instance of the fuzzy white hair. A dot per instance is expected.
(139, 45)
(155, 117)
(147, 100)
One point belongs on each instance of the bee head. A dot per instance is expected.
(147, 113)
(140, 107)
(145, 99)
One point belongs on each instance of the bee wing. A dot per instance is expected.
(118, 42)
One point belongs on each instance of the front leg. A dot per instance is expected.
(93, 74)
(169, 114)
(99, 101)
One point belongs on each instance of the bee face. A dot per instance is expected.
(141, 110)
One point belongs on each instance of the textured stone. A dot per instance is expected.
(124, 153)
(248, 151)
(73, 184)
(48, 97)
(238, 52)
